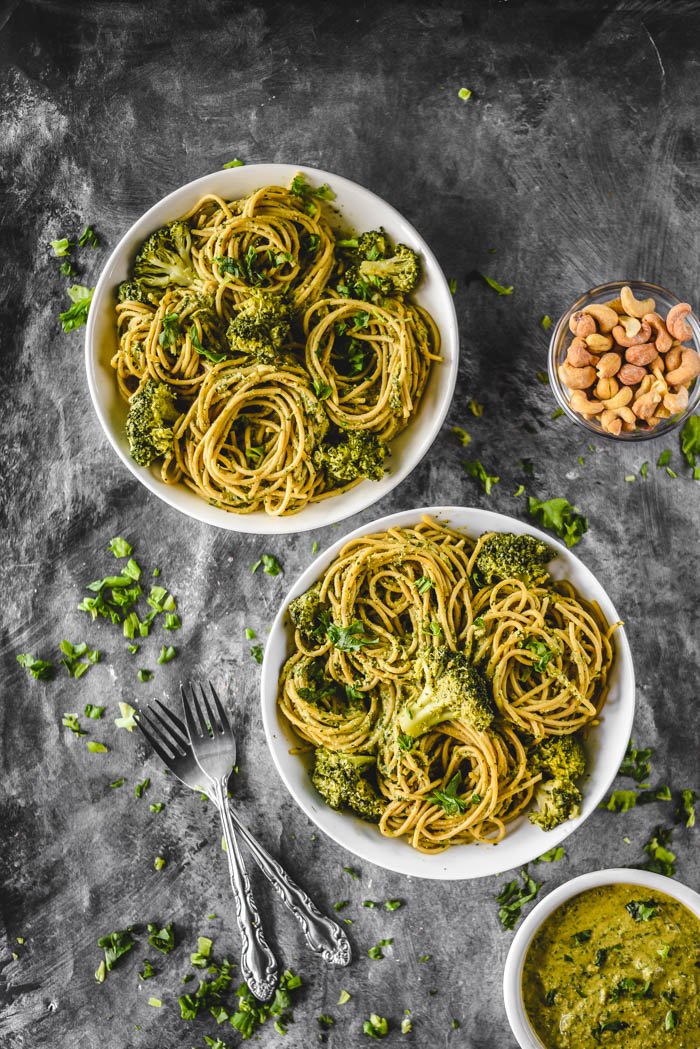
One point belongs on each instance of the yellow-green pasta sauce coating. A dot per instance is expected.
(618, 965)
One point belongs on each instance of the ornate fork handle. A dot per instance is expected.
(258, 963)
(323, 935)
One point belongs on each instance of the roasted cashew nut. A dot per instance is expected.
(623, 339)
(641, 355)
(578, 355)
(631, 374)
(688, 369)
(676, 402)
(676, 321)
(673, 358)
(621, 398)
(581, 324)
(576, 378)
(581, 404)
(605, 318)
(599, 343)
(635, 307)
(645, 406)
(606, 388)
(661, 336)
(608, 365)
(631, 325)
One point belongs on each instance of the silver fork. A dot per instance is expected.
(168, 736)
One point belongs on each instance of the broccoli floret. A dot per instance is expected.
(559, 757)
(133, 291)
(453, 690)
(340, 780)
(373, 244)
(166, 259)
(149, 431)
(303, 612)
(261, 327)
(557, 800)
(398, 273)
(359, 454)
(507, 556)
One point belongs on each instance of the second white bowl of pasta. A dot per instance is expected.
(257, 364)
(472, 719)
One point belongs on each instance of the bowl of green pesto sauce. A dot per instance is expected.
(611, 958)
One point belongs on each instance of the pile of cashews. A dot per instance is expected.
(633, 362)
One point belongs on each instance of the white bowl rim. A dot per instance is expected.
(404, 859)
(335, 508)
(515, 959)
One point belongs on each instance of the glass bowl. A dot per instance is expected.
(559, 343)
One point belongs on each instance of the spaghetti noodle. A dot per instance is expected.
(358, 665)
(277, 362)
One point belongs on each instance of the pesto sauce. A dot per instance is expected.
(595, 976)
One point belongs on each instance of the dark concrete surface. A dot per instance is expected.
(575, 161)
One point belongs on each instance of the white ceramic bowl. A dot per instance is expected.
(359, 209)
(512, 975)
(523, 842)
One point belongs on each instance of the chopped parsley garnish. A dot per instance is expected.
(376, 1026)
(462, 436)
(61, 247)
(142, 787)
(661, 859)
(76, 314)
(513, 898)
(686, 809)
(546, 322)
(88, 238)
(621, 801)
(147, 972)
(167, 653)
(322, 389)
(636, 763)
(156, 806)
(552, 855)
(353, 874)
(144, 675)
(541, 651)
(542, 378)
(452, 284)
(117, 783)
(424, 958)
(496, 286)
(127, 720)
(256, 652)
(423, 584)
(73, 661)
(392, 905)
(346, 638)
(270, 565)
(252, 1014)
(96, 748)
(642, 910)
(161, 939)
(464, 93)
(235, 163)
(115, 945)
(172, 621)
(405, 741)
(519, 491)
(344, 997)
(340, 905)
(556, 414)
(201, 958)
(406, 1025)
(447, 799)
(71, 721)
(40, 669)
(670, 1020)
(690, 442)
(159, 863)
(476, 470)
(560, 517)
(475, 408)
(664, 459)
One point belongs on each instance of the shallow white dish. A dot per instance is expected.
(606, 746)
(512, 975)
(360, 209)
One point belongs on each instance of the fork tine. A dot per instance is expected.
(223, 716)
(177, 727)
(216, 727)
(187, 704)
(153, 737)
(160, 725)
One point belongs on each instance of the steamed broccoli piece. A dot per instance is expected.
(339, 779)
(398, 273)
(453, 690)
(149, 431)
(166, 259)
(507, 556)
(359, 454)
(261, 327)
(370, 245)
(303, 612)
(133, 291)
(557, 800)
(559, 757)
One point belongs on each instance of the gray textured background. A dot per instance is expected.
(576, 160)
